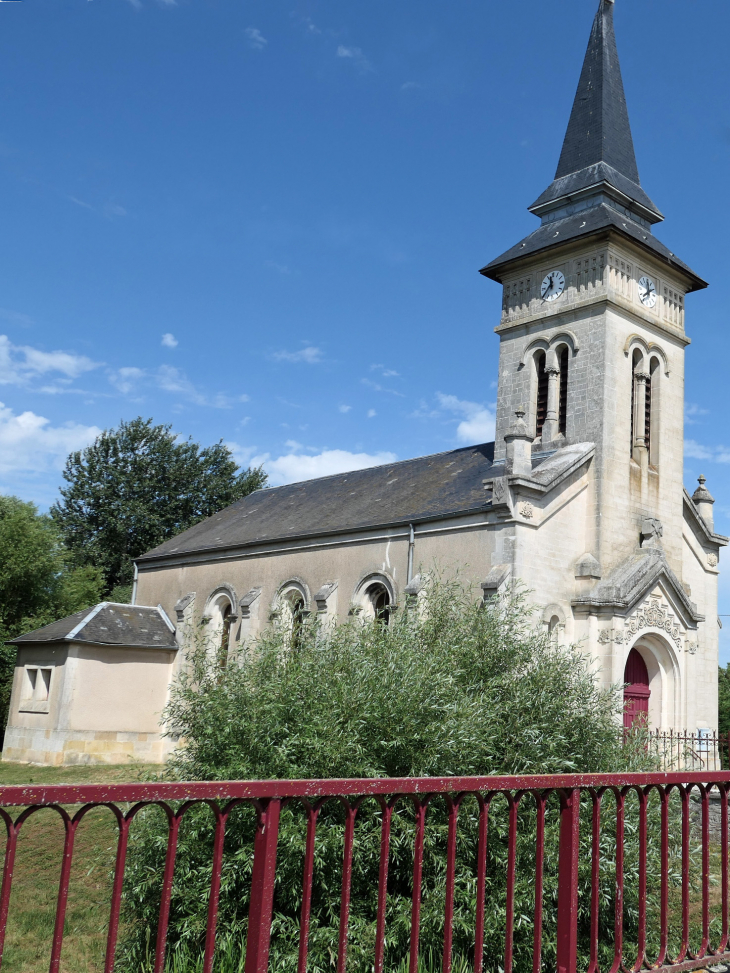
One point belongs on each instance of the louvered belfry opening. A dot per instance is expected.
(647, 415)
(563, 407)
(542, 392)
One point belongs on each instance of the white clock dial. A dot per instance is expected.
(553, 286)
(647, 292)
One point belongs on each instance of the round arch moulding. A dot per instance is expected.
(563, 336)
(649, 348)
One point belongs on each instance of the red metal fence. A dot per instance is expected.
(583, 830)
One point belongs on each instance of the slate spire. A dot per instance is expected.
(599, 129)
(598, 149)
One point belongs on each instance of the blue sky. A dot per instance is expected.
(262, 221)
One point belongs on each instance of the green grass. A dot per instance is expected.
(37, 869)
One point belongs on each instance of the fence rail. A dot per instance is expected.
(682, 750)
(666, 835)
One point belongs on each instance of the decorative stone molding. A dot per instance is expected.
(527, 511)
(497, 577)
(248, 601)
(712, 560)
(182, 604)
(653, 615)
(691, 647)
(651, 532)
(323, 595)
(587, 567)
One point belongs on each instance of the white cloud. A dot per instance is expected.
(356, 56)
(309, 355)
(19, 364)
(127, 379)
(713, 454)
(693, 450)
(478, 423)
(691, 410)
(371, 413)
(385, 372)
(255, 38)
(344, 409)
(295, 465)
(30, 444)
(169, 340)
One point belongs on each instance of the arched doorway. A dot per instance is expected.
(636, 690)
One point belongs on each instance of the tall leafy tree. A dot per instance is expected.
(38, 581)
(136, 486)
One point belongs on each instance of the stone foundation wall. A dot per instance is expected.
(58, 748)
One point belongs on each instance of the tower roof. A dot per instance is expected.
(596, 186)
(598, 149)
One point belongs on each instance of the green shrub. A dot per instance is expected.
(448, 688)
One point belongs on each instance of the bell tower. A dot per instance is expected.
(592, 334)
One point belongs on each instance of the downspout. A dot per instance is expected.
(411, 546)
(134, 584)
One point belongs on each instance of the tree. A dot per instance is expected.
(38, 582)
(723, 701)
(138, 485)
(448, 688)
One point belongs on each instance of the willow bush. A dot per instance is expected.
(447, 688)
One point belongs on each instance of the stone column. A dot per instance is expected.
(640, 451)
(552, 424)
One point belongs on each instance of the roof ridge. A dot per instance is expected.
(362, 469)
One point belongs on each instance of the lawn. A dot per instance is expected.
(37, 868)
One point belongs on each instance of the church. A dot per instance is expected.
(580, 497)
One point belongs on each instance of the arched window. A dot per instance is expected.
(379, 597)
(219, 618)
(227, 621)
(652, 411)
(563, 403)
(374, 599)
(292, 613)
(542, 393)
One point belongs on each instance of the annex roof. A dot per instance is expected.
(131, 626)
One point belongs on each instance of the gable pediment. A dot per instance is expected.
(642, 577)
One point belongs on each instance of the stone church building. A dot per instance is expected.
(580, 497)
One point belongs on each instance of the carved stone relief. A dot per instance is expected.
(651, 615)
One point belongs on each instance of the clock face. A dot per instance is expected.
(553, 286)
(647, 292)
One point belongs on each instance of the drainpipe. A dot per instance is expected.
(134, 585)
(411, 545)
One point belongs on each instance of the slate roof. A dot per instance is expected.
(132, 626)
(599, 128)
(409, 491)
(584, 224)
(596, 186)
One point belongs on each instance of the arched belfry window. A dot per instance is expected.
(563, 406)
(542, 393)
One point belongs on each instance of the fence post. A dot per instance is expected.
(262, 888)
(568, 881)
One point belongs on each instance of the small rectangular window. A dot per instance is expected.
(36, 690)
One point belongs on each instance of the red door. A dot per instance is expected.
(636, 690)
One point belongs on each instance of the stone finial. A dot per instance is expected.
(651, 532)
(519, 446)
(703, 500)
